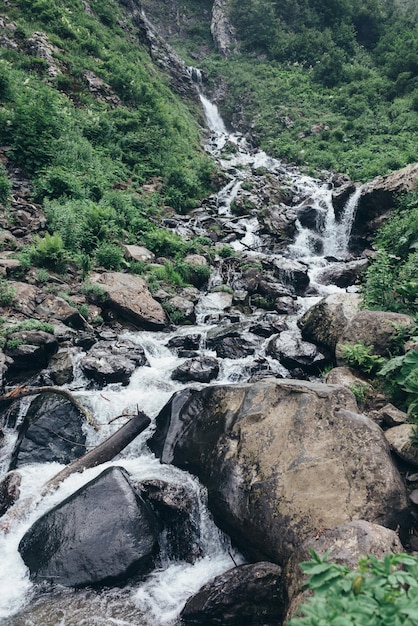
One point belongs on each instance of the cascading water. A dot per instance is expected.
(158, 599)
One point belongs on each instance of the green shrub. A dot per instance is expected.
(7, 292)
(94, 293)
(48, 252)
(379, 592)
(5, 186)
(109, 256)
(361, 357)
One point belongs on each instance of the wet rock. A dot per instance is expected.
(377, 329)
(185, 342)
(129, 297)
(202, 369)
(286, 305)
(30, 349)
(292, 273)
(268, 325)
(282, 459)
(250, 595)
(391, 416)
(343, 274)
(9, 491)
(228, 342)
(324, 323)
(346, 544)
(61, 368)
(113, 362)
(51, 431)
(278, 222)
(294, 353)
(340, 196)
(310, 217)
(66, 545)
(177, 507)
(400, 439)
(5, 362)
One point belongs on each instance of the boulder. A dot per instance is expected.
(282, 459)
(346, 544)
(201, 369)
(223, 32)
(312, 218)
(228, 342)
(292, 273)
(182, 308)
(378, 197)
(294, 353)
(340, 195)
(51, 431)
(178, 509)
(324, 323)
(56, 308)
(61, 367)
(343, 274)
(377, 329)
(113, 362)
(101, 534)
(129, 297)
(25, 299)
(248, 595)
(9, 491)
(138, 253)
(401, 440)
(30, 349)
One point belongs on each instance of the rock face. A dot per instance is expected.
(130, 298)
(377, 197)
(281, 459)
(102, 533)
(248, 595)
(32, 349)
(51, 431)
(223, 32)
(374, 328)
(201, 369)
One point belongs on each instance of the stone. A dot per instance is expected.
(377, 329)
(223, 32)
(324, 323)
(185, 342)
(248, 595)
(201, 369)
(391, 416)
(9, 491)
(228, 341)
(138, 253)
(295, 353)
(101, 534)
(343, 274)
(25, 300)
(346, 544)
(282, 459)
(311, 217)
(130, 298)
(31, 349)
(401, 439)
(113, 362)
(183, 308)
(52, 431)
(292, 273)
(56, 308)
(61, 367)
(340, 196)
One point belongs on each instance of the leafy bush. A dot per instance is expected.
(5, 186)
(7, 292)
(48, 252)
(109, 256)
(361, 357)
(377, 593)
(401, 373)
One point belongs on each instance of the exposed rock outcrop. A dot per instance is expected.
(222, 30)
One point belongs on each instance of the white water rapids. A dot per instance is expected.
(158, 599)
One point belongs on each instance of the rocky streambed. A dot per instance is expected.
(252, 455)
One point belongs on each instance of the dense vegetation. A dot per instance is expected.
(324, 84)
(89, 154)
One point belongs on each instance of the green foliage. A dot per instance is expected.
(7, 292)
(48, 252)
(379, 592)
(401, 373)
(361, 357)
(391, 280)
(109, 256)
(94, 293)
(5, 186)
(361, 393)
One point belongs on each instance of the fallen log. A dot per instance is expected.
(22, 392)
(100, 454)
(104, 451)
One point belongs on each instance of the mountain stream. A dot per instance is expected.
(158, 599)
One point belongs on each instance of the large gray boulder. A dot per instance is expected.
(324, 323)
(101, 534)
(281, 459)
(131, 299)
(377, 329)
(113, 362)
